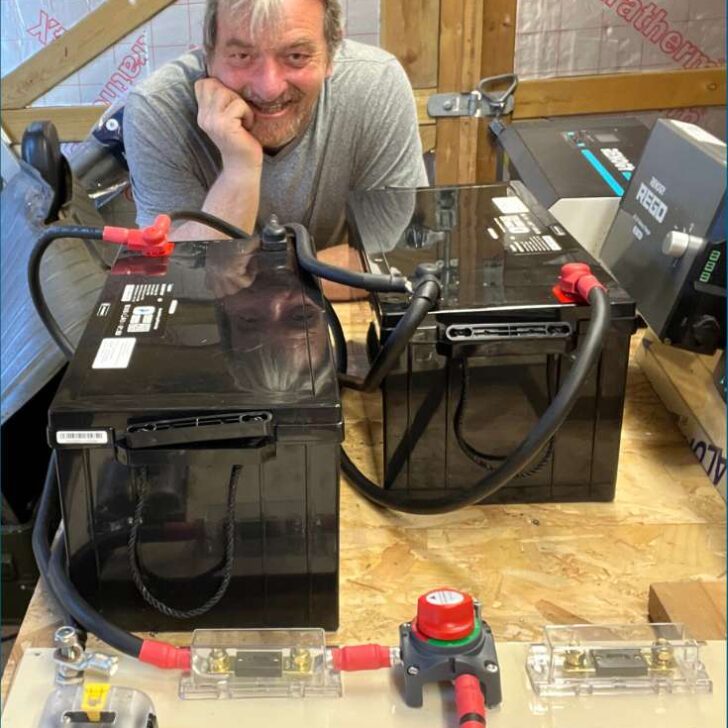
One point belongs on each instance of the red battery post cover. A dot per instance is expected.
(575, 283)
(152, 241)
(445, 614)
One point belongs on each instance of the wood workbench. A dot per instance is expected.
(528, 564)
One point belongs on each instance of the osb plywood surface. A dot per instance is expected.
(528, 564)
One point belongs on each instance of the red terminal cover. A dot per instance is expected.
(575, 283)
(469, 701)
(152, 241)
(361, 657)
(445, 614)
(164, 655)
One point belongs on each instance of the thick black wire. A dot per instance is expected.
(526, 451)
(341, 356)
(54, 232)
(424, 300)
(485, 460)
(157, 603)
(367, 281)
(81, 610)
(216, 223)
(48, 514)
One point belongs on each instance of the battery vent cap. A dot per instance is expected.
(445, 614)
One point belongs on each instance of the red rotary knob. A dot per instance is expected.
(445, 614)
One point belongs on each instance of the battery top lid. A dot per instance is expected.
(217, 325)
(497, 248)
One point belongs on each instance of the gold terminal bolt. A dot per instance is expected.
(220, 661)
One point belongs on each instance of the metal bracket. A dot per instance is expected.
(478, 103)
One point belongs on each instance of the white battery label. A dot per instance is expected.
(515, 224)
(534, 244)
(510, 205)
(82, 437)
(114, 353)
(444, 596)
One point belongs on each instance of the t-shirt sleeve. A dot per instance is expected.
(389, 151)
(161, 176)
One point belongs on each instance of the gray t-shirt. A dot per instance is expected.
(363, 135)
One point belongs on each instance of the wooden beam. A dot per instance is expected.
(428, 137)
(421, 96)
(461, 23)
(499, 42)
(410, 30)
(100, 29)
(646, 91)
(72, 122)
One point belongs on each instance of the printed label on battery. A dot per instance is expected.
(534, 244)
(510, 205)
(144, 308)
(493, 234)
(82, 437)
(103, 309)
(444, 596)
(514, 224)
(114, 353)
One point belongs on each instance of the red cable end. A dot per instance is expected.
(152, 241)
(576, 280)
(361, 657)
(469, 702)
(164, 655)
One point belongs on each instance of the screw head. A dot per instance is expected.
(491, 667)
(447, 105)
(413, 670)
(112, 125)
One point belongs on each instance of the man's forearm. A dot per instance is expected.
(234, 198)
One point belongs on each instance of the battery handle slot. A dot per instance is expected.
(195, 429)
(234, 452)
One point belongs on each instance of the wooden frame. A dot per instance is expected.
(71, 51)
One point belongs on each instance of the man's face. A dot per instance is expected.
(279, 72)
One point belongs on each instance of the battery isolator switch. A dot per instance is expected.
(445, 614)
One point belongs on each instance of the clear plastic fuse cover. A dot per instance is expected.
(585, 659)
(259, 663)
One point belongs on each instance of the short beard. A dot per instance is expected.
(274, 134)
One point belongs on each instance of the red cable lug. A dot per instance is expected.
(164, 655)
(576, 281)
(152, 241)
(469, 702)
(361, 657)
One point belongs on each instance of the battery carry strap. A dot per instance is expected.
(149, 598)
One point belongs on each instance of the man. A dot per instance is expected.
(278, 115)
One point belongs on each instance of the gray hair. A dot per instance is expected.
(264, 12)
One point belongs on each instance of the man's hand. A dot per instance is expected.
(226, 118)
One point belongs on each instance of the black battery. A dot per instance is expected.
(485, 364)
(197, 434)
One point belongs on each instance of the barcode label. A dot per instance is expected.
(82, 437)
(114, 353)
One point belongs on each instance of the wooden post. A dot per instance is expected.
(499, 45)
(461, 23)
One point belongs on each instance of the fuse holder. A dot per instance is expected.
(152, 241)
